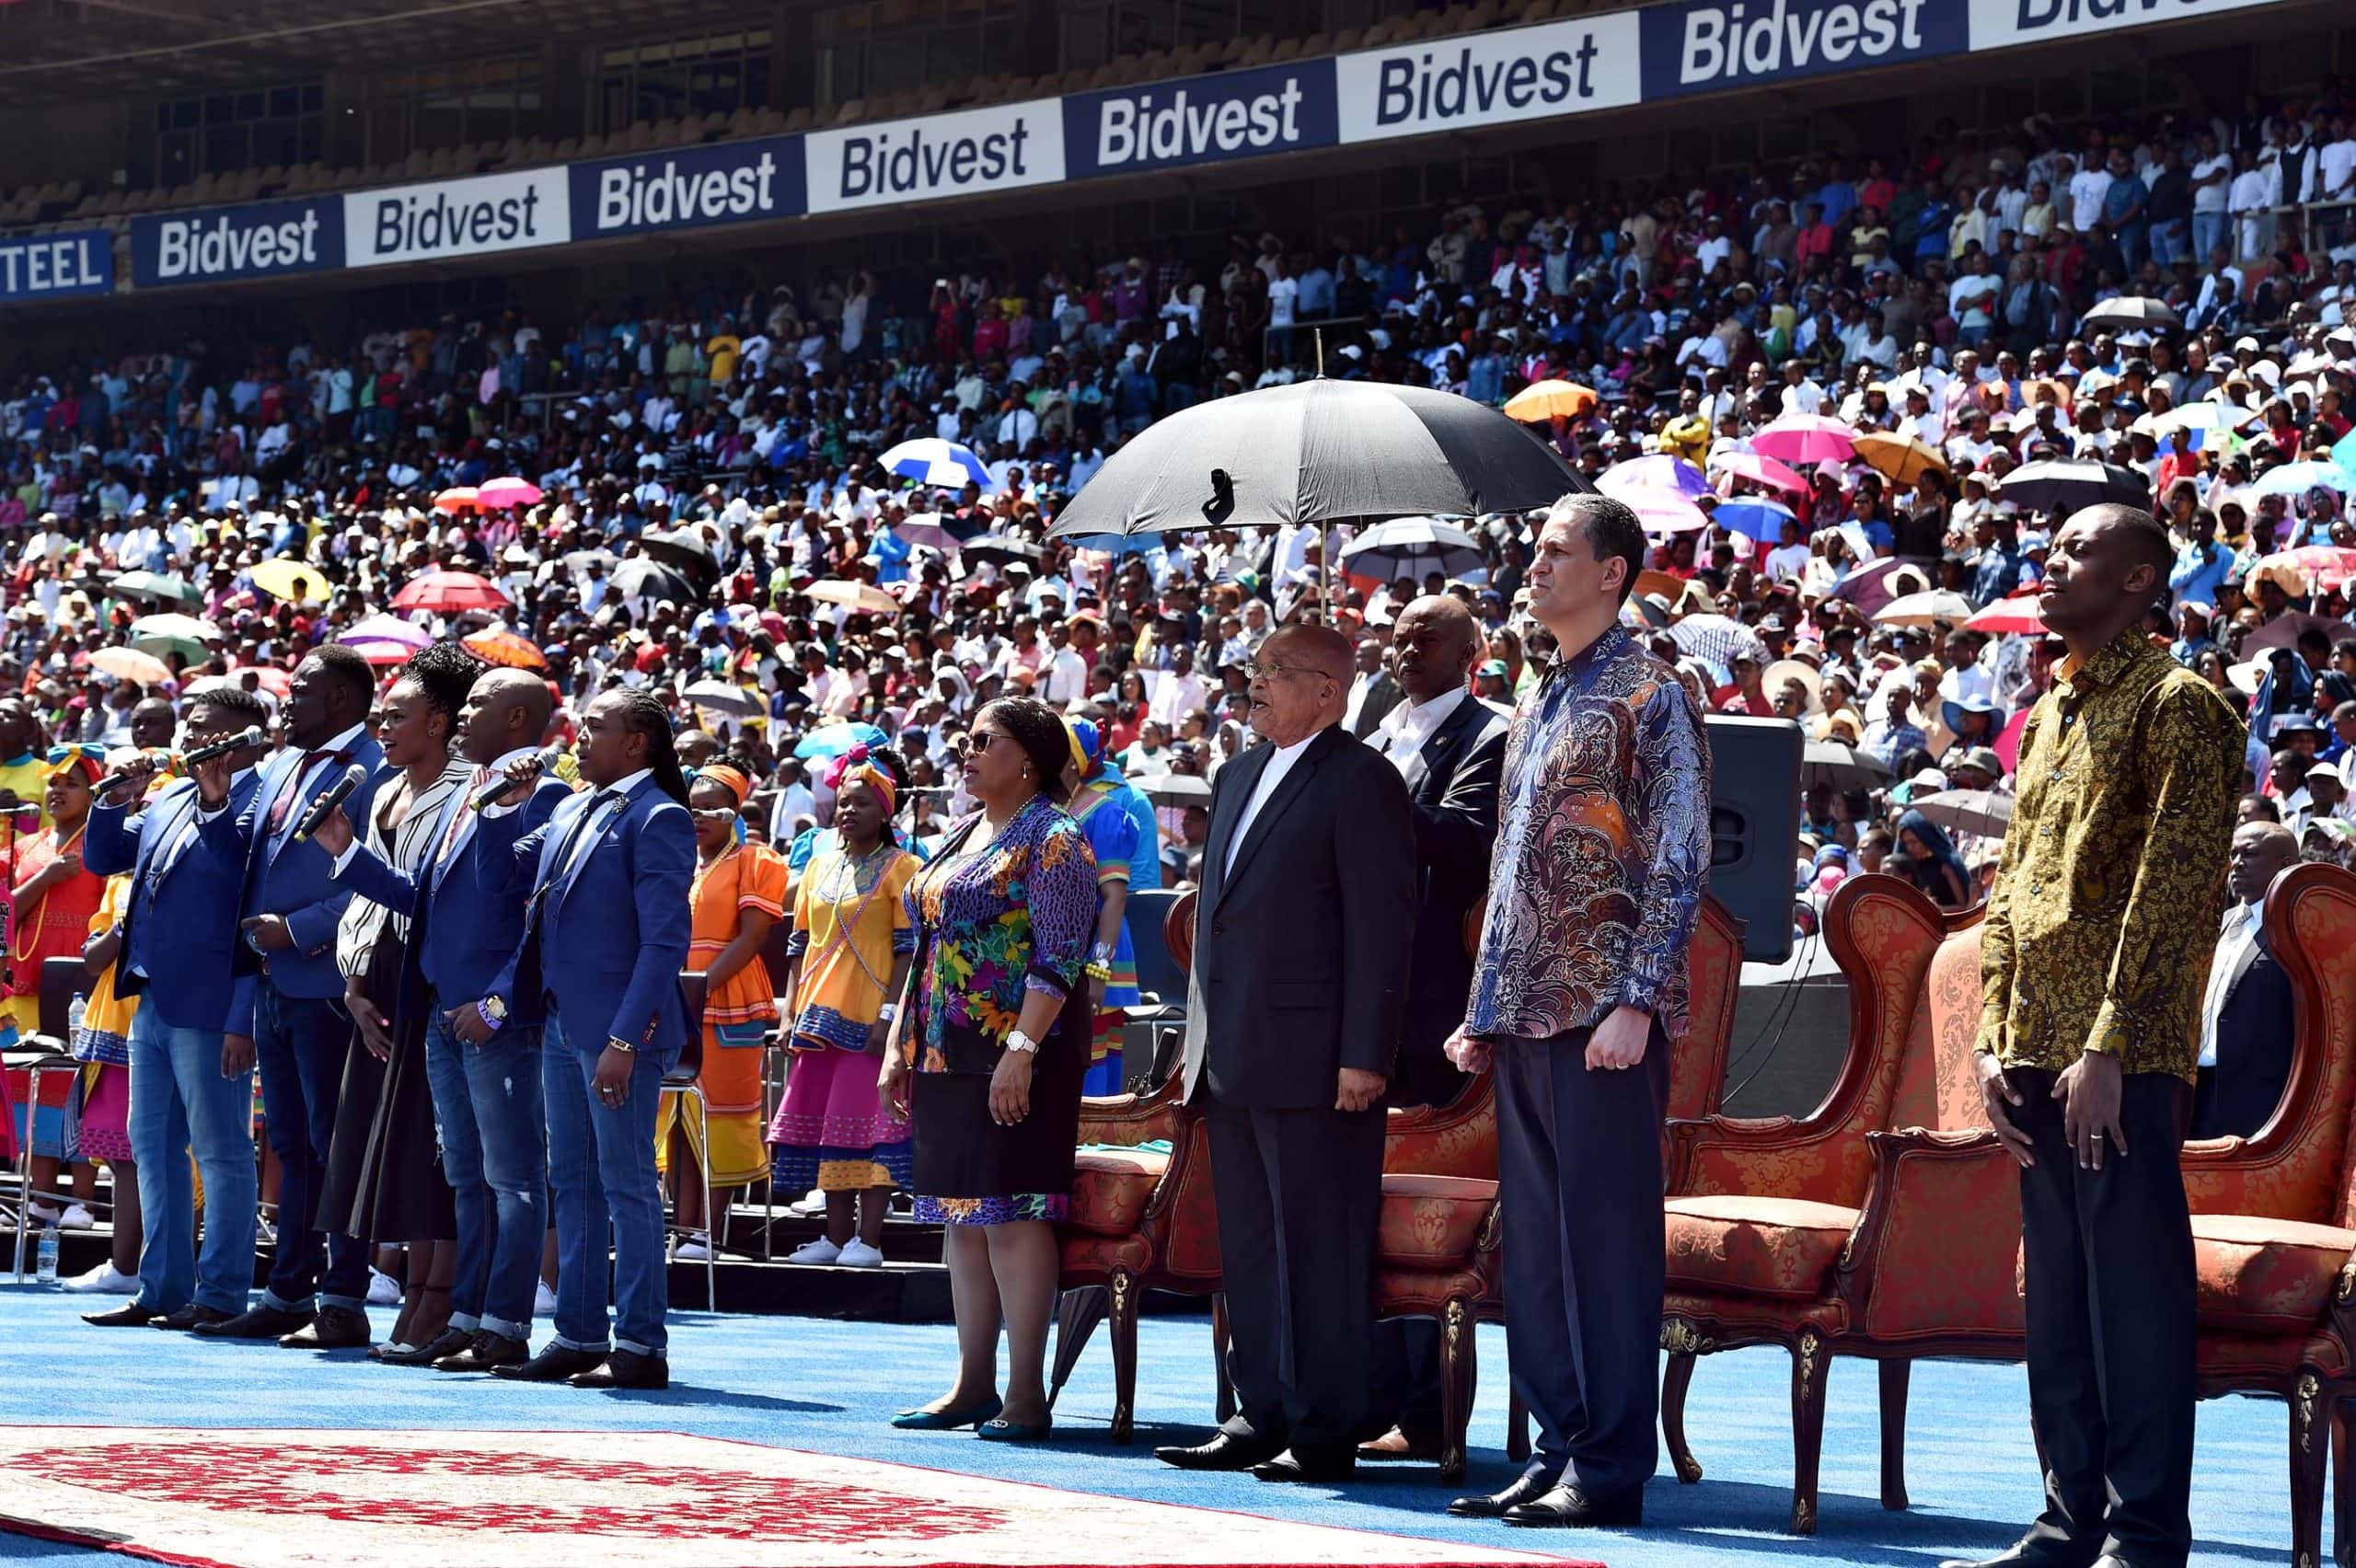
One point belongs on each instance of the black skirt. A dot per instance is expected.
(384, 1179)
(961, 1153)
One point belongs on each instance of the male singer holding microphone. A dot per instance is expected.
(191, 1089)
(289, 1011)
(482, 1056)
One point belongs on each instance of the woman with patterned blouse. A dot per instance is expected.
(993, 1043)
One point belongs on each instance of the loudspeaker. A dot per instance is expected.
(1755, 827)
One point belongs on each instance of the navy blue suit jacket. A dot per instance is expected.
(180, 927)
(605, 937)
(471, 907)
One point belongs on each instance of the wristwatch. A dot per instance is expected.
(616, 1043)
(1023, 1043)
(493, 1011)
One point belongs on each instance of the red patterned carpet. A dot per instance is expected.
(348, 1498)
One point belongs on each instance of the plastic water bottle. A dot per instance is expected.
(46, 1271)
(74, 1010)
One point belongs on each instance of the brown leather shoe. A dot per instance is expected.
(1396, 1444)
(335, 1328)
(487, 1354)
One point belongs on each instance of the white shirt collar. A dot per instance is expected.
(629, 781)
(344, 741)
(1428, 716)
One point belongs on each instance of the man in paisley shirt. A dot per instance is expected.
(2094, 960)
(1579, 992)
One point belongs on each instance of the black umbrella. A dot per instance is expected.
(1001, 549)
(2134, 313)
(639, 578)
(1319, 451)
(684, 549)
(2064, 485)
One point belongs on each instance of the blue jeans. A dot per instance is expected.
(2169, 237)
(179, 1104)
(2208, 233)
(299, 1045)
(486, 1104)
(601, 1169)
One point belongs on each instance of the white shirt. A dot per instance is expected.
(619, 787)
(2239, 934)
(344, 741)
(1270, 776)
(2088, 188)
(1406, 728)
(2212, 197)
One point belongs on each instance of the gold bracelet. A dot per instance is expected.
(1099, 971)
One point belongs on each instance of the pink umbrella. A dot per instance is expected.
(497, 495)
(2008, 743)
(1659, 471)
(387, 628)
(457, 498)
(1662, 511)
(1806, 438)
(1762, 470)
(2017, 614)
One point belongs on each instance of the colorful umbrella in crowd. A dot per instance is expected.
(499, 494)
(932, 461)
(284, 579)
(2298, 479)
(1925, 609)
(266, 677)
(1659, 471)
(498, 645)
(457, 498)
(183, 635)
(1752, 516)
(833, 740)
(1661, 511)
(387, 628)
(2017, 615)
(1902, 459)
(863, 596)
(154, 586)
(449, 593)
(924, 528)
(1544, 401)
(2324, 566)
(1719, 638)
(1805, 438)
(1760, 469)
(130, 665)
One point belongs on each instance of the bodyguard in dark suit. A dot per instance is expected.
(1294, 1009)
(291, 1010)
(191, 1093)
(1381, 693)
(2245, 1017)
(1449, 747)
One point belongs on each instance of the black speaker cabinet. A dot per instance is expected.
(1755, 827)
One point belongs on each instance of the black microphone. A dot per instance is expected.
(491, 793)
(353, 776)
(250, 736)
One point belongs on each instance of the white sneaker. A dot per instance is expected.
(858, 1254)
(77, 1217)
(813, 1203)
(39, 1215)
(384, 1290)
(819, 1252)
(105, 1280)
(543, 1300)
(692, 1250)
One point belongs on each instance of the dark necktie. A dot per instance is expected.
(294, 786)
(572, 835)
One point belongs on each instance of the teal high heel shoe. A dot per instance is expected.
(996, 1431)
(949, 1420)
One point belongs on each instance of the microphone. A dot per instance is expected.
(353, 776)
(250, 736)
(489, 795)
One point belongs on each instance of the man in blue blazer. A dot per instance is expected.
(188, 1090)
(482, 1058)
(292, 1011)
(605, 937)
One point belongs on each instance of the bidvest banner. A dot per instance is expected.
(2000, 24)
(1714, 45)
(1236, 114)
(962, 154)
(457, 217)
(55, 265)
(1490, 78)
(730, 182)
(264, 239)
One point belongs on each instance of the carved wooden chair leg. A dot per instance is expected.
(1123, 1327)
(2310, 1446)
(1219, 1339)
(1675, 1378)
(2343, 1478)
(1458, 1372)
(1517, 1427)
(1895, 1375)
(1810, 1365)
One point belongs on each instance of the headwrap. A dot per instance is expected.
(855, 767)
(1087, 745)
(730, 779)
(65, 757)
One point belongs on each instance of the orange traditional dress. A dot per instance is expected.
(737, 1014)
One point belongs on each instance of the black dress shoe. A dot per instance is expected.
(257, 1322)
(335, 1328)
(1566, 1507)
(2038, 1552)
(553, 1365)
(191, 1317)
(1527, 1489)
(449, 1342)
(487, 1352)
(1223, 1452)
(1316, 1465)
(130, 1314)
(625, 1369)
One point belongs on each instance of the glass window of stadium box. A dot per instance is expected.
(246, 127)
(1096, 32)
(871, 48)
(676, 79)
(455, 104)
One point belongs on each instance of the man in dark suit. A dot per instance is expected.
(482, 1061)
(1371, 693)
(1294, 1011)
(288, 1000)
(192, 1094)
(1449, 747)
(2246, 1020)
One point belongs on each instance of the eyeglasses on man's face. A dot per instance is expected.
(1269, 670)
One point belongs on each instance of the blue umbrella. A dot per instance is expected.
(1752, 516)
(932, 461)
(2298, 479)
(832, 740)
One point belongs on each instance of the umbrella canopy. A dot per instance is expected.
(183, 635)
(1839, 766)
(1003, 548)
(1413, 545)
(833, 740)
(449, 593)
(2062, 485)
(1663, 511)
(640, 578)
(2298, 479)
(1760, 469)
(1805, 438)
(1902, 458)
(1987, 813)
(683, 548)
(2282, 631)
(1317, 451)
(1719, 638)
(2017, 614)
(457, 498)
(2321, 565)
(154, 586)
(856, 596)
(377, 652)
(130, 665)
(281, 577)
(1544, 401)
(2134, 312)
(719, 697)
(498, 645)
(1659, 471)
(932, 461)
(387, 628)
(1177, 790)
(581, 561)
(267, 677)
(926, 528)
(501, 494)
(1753, 516)
(2201, 420)
(1921, 609)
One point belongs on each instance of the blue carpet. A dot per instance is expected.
(831, 1386)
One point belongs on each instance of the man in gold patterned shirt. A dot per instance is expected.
(2094, 957)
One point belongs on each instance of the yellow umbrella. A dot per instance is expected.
(857, 596)
(281, 577)
(1902, 458)
(1541, 401)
